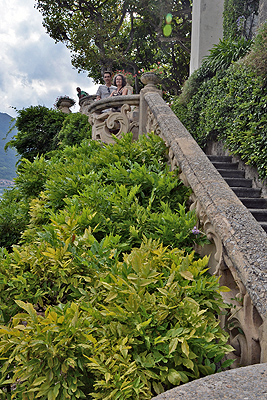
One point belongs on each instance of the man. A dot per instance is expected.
(105, 91)
(81, 93)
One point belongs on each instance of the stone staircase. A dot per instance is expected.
(242, 187)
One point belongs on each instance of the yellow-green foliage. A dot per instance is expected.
(139, 327)
(104, 297)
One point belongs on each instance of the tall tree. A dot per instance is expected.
(106, 34)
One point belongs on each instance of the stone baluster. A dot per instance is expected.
(150, 80)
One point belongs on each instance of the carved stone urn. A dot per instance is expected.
(150, 78)
(64, 104)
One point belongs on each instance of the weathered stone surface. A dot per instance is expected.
(107, 123)
(247, 383)
(238, 245)
(243, 238)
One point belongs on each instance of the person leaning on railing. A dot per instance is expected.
(121, 89)
(104, 91)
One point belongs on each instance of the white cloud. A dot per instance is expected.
(33, 69)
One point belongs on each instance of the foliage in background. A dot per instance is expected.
(120, 35)
(239, 18)
(41, 130)
(75, 128)
(221, 56)
(8, 158)
(37, 127)
(31, 176)
(108, 310)
(231, 106)
(257, 58)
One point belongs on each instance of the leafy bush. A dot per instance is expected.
(37, 127)
(257, 58)
(221, 56)
(75, 128)
(239, 18)
(13, 217)
(232, 109)
(231, 106)
(109, 310)
(140, 326)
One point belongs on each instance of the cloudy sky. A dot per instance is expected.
(33, 69)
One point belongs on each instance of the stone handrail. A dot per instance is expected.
(238, 244)
(109, 102)
(114, 116)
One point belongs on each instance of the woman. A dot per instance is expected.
(120, 82)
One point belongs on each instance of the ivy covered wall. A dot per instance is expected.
(240, 18)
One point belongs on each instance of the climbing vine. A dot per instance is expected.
(239, 18)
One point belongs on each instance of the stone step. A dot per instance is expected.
(259, 214)
(247, 192)
(263, 225)
(239, 182)
(232, 173)
(226, 159)
(225, 165)
(254, 203)
(242, 187)
(248, 383)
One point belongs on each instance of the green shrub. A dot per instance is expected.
(221, 56)
(239, 18)
(13, 217)
(232, 109)
(75, 128)
(256, 60)
(37, 127)
(230, 106)
(112, 307)
(141, 326)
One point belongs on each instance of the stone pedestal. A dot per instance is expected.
(150, 80)
(65, 104)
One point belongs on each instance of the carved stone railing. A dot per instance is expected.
(85, 102)
(238, 244)
(106, 123)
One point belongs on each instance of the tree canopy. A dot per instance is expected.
(116, 34)
(41, 130)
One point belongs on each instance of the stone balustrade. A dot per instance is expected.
(238, 244)
(107, 123)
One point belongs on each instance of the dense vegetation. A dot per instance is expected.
(104, 297)
(227, 100)
(239, 18)
(41, 130)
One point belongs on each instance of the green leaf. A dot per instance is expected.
(174, 377)
(173, 345)
(185, 348)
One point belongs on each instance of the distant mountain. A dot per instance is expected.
(7, 159)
